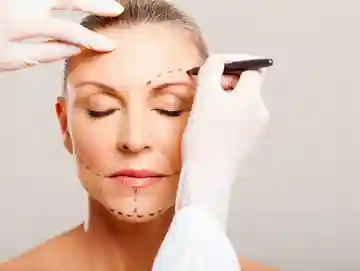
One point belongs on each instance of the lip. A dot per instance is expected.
(136, 178)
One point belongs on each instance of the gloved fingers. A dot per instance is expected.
(66, 31)
(25, 55)
(247, 91)
(247, 95)
(248, 79)
(101, 8)
(248, 87)
(210, 75)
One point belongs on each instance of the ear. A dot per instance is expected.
(61, 112)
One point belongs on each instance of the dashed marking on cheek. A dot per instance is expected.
(89, 169)
(135, 198)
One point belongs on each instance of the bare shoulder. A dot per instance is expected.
(248, 265)
(48, 256)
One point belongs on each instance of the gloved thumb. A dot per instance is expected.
(210, 75)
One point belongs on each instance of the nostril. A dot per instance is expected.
(134, 148)
(125, 147)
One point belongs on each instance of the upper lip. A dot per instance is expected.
(136, 173)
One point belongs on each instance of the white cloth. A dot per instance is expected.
(196, 242)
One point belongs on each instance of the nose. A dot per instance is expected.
(133, 137)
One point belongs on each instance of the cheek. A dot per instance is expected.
(92, 140)
(169, 138)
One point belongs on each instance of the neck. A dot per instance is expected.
(122, 245)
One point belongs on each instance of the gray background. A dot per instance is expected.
(295, 206)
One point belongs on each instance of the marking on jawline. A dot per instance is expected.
(136, 191)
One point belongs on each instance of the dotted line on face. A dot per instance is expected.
(137, 215)
(89, 169)
(164, 73)
(136, 192)
(135, 199)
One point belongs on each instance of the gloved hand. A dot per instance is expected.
(222, 129)
(24, 19)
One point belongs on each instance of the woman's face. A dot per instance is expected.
(126, 112)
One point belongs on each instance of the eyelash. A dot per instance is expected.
(101, 114)
(168, 113)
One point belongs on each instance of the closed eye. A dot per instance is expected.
(169, 113)
(101, 113)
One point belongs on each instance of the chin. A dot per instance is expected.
(137, 219)
(142, 212)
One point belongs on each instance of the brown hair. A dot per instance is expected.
(145, 11)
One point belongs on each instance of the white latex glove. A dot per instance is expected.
(24, 19)
(222, 129)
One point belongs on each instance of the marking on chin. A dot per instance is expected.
(151, 214)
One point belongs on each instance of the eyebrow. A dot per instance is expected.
(102, 86)
(112, 90)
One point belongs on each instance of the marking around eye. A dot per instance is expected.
(162, 73)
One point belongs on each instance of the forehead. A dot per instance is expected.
(142, 52)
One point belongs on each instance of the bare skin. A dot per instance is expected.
(78, 250)
(125, 227)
